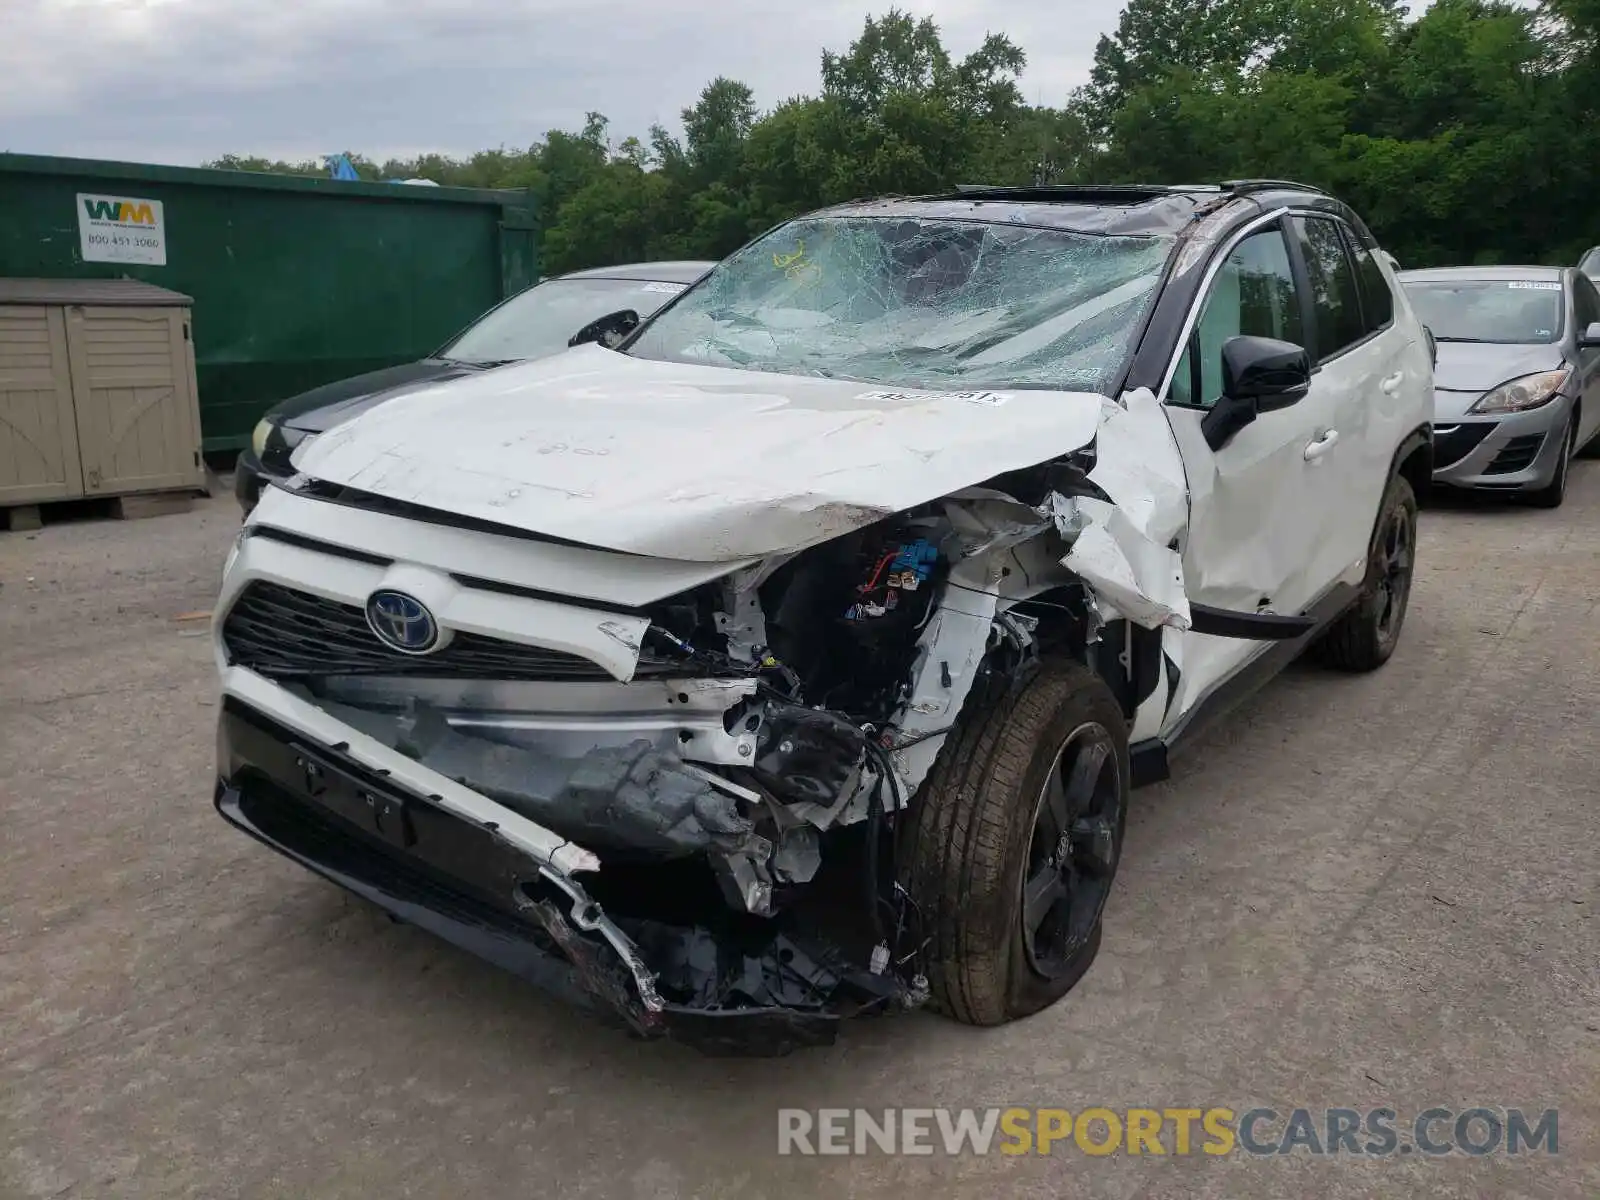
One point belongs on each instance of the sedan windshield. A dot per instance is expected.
(1514, 312)
(922, 303)
(541, 320)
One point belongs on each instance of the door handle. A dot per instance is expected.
(1315, 450)
(1392, 384)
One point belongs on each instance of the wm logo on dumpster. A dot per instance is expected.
(137, 212)
(121, 229)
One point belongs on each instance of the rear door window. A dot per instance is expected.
(1377, 301)
(1335, 290)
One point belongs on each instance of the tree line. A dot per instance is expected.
(1466, 134)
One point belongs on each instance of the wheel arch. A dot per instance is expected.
(1414, 460)
(1127, 657)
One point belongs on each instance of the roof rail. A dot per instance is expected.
(1242, 186)
(1124, 193)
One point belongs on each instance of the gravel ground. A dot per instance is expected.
(1363, 891)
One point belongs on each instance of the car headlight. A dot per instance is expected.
(259, 436)
(1518, 395)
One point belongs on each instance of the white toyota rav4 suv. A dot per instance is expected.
(792, 656)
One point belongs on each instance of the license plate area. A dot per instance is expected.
(377, 810)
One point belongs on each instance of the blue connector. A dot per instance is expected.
(913, 564)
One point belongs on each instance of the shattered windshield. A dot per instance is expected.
(925, 303)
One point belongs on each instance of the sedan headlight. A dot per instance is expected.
(259, 436)
(1518, 395)
(280, 439)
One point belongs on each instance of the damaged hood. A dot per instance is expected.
(685, 461)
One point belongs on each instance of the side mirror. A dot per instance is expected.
(1433, 345)
(608, 330)
(1259, 375)
(1590, 338)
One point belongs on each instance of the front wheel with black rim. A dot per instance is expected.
(1366, 635)
(1012, 843)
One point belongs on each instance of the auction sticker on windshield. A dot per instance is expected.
(992, 399)
(122, 229)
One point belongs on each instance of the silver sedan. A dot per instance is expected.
(1517, 384)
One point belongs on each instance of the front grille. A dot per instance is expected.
(1518, 455)
(1451, 445)
(282, 632)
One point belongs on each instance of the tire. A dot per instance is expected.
(1591, 448)
(1554, 493)
(1364, 637)
(981, 828)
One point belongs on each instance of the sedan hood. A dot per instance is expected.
(1478, 366)
(684, 461)
(321, 408)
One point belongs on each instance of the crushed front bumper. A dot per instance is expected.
(462, 881)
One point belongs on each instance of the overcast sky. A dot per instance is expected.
(180, 81)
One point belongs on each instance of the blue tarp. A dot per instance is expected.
(339, 166)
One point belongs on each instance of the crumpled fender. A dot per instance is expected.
(1124, 550)
(1140, 579)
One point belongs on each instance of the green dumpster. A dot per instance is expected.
(296, 281)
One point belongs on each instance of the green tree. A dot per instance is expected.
(249, 162)
(618, 215)
(1158, 40)
(716, 128)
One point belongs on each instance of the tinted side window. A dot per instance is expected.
(1252, 293)
(1334, 291)
(1377, 301)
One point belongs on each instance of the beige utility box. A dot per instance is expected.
(97, 391)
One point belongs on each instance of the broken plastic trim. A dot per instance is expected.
(1258, 627)
(1124, 569)
(587, 917)
(732, 997)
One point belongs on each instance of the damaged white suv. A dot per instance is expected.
(795, 658)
